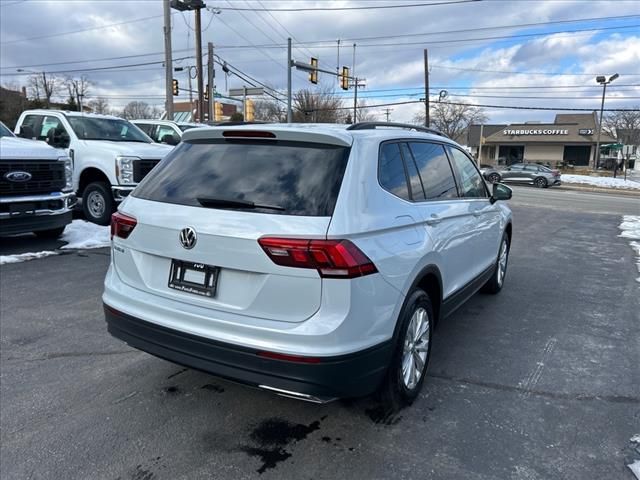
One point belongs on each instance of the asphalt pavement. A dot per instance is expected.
(541, 381)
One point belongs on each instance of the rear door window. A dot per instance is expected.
(50, 126)
(435, 171)
(471, 182)
(146, 128)
(391, 172)
(299, 178)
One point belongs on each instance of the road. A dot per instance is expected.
(575, 201)
(541, 381)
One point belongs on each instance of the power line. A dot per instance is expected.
(331, 45)
(330, 9)
(81, 31)
(497, 27)
(507, 107)
(252, 44)
(70, 62)
(476, 39)
(446, 67)
(82, 70)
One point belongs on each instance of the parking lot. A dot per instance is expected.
(541, 381)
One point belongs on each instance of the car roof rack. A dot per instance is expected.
(406, 126)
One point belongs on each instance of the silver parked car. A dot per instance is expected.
(530, 173)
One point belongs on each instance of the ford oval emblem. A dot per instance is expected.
(18, 176)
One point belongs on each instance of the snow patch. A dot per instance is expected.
(630, 227)
(635, 468)
(604, 182)
(23, 257)
(81, 234)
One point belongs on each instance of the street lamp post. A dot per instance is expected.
(601, 79)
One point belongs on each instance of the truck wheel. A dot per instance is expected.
(97, 203)
(408, 366)
(51, 234)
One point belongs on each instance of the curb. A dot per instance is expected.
(611, 191)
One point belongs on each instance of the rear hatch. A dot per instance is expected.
(199, 215)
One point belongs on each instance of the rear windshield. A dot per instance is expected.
(300, 178)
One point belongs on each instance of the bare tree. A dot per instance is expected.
(100, 105)
(364, 114)
(78, 89)
(47, 86)
(268, 111)
(321, 107)
(136, 110)
(452, 119)
(629, 122)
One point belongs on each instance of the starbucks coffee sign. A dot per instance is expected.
(545, 131)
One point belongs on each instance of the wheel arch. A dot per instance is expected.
(90, 175)
(428, 279)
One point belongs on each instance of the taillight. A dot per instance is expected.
(332, 258)
(122, 225)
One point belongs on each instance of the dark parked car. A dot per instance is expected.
(491, 174)
(531, 173)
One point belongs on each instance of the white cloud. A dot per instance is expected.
(392, 66)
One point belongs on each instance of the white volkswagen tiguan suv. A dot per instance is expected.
(310, 260)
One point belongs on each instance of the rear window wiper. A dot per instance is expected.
(227, 203)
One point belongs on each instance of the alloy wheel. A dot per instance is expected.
(416, 348)
(502, 262)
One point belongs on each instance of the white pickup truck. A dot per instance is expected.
(36, 187)
(110, 155)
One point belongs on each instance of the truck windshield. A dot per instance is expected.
(113, 129)
(5, 132)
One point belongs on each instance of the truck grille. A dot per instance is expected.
(47, 176)
(142, 167)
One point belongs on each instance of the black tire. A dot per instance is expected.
(541, 182)
(394, 391)
(98, 203)
(496, 282)
(51, 234)
(494, 178)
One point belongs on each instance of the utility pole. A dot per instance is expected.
(387, 112)
(168, 61)
(356, 84)
(480, 143)
(289, 66)
(426, 89)
(212, 79)
(199, 64)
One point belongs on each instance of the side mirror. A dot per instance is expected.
(26, 132)
(501, 192)
(169, 139)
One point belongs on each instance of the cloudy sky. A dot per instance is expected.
(525, 53)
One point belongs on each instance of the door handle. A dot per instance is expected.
(434, 220)
(477, 213)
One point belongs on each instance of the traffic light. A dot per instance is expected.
(206, 92)
(313, 75)
(249, 111)
(344, 78)
(217, 111)
(176, 90)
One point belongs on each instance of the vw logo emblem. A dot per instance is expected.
(188, 238)
(18, 176)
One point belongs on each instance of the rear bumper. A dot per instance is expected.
(351, 375)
